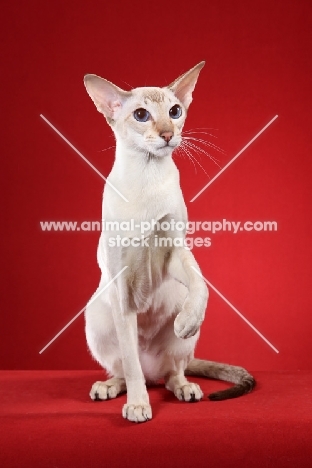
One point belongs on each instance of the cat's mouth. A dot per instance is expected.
(172, 144)
(165, 145)
(165, 149)
(161, 149)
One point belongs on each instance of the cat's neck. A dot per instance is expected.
(151, 185)
(141, 169)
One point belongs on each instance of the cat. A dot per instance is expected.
(144, 325)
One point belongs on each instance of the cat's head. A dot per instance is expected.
(148, 119)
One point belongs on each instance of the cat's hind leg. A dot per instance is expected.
(172, 354)
(108, 389)
(182, 388)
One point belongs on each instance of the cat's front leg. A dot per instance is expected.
(190, 318)
(137, 408)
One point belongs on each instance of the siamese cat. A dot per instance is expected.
(144, 320)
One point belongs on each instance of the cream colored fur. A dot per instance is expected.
(145, 325)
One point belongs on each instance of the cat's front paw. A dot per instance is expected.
(186, 325)
(137, 413)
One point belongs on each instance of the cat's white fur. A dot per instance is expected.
(145, 325)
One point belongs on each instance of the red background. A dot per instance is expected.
(258, 64)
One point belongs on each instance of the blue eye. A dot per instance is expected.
(141, 115)
(175, 111)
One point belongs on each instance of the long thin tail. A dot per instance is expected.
(244, 382)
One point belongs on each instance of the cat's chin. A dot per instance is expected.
(162, 152)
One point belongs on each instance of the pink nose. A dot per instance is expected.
(166, 136)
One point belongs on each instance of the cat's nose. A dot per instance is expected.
(166, 136)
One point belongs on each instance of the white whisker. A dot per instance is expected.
(206, 143)
(199, 133)
(106, 149)
(200, 150)
(201, 130)
(185, 148)
(186, 154)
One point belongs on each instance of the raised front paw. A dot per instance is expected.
(186, 325)
(189, 320)
(137, 413)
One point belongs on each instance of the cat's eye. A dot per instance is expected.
(141, 115)
(175, 111)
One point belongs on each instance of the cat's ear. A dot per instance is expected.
(107, 97)
(183, 86)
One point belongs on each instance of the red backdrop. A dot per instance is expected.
(258, 64)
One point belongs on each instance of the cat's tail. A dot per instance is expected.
(244, 382)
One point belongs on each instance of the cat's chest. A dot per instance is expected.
(145, 202)
(141, 218)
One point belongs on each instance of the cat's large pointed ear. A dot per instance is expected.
(183, 86)
(107, 97)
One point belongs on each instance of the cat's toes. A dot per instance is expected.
(103, 391)
(186, 326)
(190, 392)
(137, 413)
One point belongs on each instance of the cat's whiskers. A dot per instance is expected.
(201, 130)
(184, 147)
(190, 139)
(186, 154)
(200, 151)
(106, 149)
(206, 143)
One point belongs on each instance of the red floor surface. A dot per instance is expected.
(48, 420)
